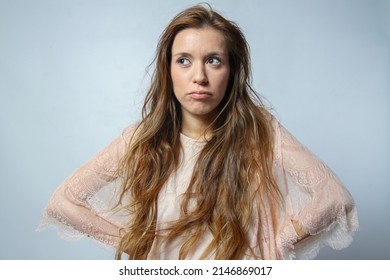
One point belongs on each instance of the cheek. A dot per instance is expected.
(224, 81)
(177, 79)
(173, 76)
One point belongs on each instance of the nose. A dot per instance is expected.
(200, 76)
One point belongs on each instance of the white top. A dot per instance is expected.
(82, 204)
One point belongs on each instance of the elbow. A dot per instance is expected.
(57, 204)
(61, 204)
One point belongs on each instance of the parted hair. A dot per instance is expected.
(232, 179)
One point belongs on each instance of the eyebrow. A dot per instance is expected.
(190, 55)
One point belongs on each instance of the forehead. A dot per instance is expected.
(199, 39)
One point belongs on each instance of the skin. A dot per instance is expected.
(200, 75)
(300, 232)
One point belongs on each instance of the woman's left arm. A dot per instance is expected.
(319, 209)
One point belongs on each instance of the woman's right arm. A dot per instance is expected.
(81, 204)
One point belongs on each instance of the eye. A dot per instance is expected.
(214, 60)
(183, 61)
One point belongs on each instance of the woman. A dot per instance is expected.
(208, 173)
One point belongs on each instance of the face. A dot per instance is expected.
(199, 71)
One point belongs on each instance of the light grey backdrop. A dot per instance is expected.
(72, 76)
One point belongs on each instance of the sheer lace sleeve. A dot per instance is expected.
(314, 198)
(82, 205)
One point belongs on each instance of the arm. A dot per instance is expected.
(319, 209)
(82, 204)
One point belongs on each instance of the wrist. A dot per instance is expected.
(298, 229)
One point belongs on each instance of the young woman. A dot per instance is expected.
(208, 173)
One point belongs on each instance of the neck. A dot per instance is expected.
(195, 127)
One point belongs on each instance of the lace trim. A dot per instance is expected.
(69, 234)
(286, 240)
(338, 235)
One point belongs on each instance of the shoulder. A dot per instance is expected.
(276, 131)
(129, 132)
(274, 126)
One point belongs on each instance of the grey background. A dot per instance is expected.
(73, 75)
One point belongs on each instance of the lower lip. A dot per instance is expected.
(199, 96)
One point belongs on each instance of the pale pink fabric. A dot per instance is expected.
(83, 203)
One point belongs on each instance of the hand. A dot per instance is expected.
(300, 232)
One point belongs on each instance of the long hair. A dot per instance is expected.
(233, 173)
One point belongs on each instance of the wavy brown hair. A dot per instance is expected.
(233, 174)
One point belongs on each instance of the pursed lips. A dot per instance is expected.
(199, 94)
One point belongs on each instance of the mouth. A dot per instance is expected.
(199, 95)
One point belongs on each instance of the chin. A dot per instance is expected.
(201, 113)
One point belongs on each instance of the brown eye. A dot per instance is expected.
(214, 60)
(183, 61)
